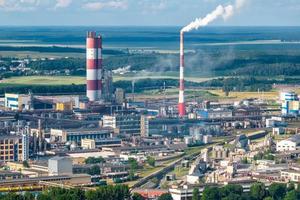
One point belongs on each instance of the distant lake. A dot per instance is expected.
(155, 38)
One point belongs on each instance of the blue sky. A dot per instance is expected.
(144, 12)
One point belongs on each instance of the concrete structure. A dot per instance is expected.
(214, 113)
(290, 175)
(58, 166)
(290, 103)
(290, 144)
(94, 66)
(18, 101)
(219, 152)
(76, 135)
(107, 88)
(126, 123)
(145, 126)
(25, 147)
(181, 101)
(99, 143)
(88, 144)
(73, 180)
(207, 139)
(65, 106)
(278, 131)
(11, 148)
(119, 96)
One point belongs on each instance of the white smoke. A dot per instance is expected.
(220, 11)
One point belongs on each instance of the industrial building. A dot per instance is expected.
(34, 102)
(18, 101)
(290, 103)
(58, 166)
(76, 135)
(12, 148)
(124, 122)
(119, 96)
(214, 113)
(99, 143)
(290, 144)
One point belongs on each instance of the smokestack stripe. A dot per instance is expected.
(94, 66)
(181, 101)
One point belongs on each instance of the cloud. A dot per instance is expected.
(153, 6)
(63, 3)
(115, 4)
(240, 3)
(19, 5)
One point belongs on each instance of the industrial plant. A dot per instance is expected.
(123, 131)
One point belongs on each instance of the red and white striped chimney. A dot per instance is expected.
(181, 102)
(94, 66)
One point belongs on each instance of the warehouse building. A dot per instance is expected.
(290, 144)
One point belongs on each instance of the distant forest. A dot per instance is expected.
(245, 70)
(196, 63)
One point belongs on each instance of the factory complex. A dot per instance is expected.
(161, 145)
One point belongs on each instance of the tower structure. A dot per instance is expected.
(94, 66)
(181, 101)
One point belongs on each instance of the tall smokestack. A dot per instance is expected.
(94, 66)
(220, 11)
(181, 102)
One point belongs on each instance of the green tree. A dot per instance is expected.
(43, 196)
(291, 186)
(166, 196)
(232, 196)
(292, 195)
(12, 196)
(231, 189)
(277, 191)
(25, 164)
(93, 160)
(151, 161)
(211, 193)
(196, 194)
(268, 198)
(28, 196)
(134, 165)
(95, 170)
(137, 196)
(258, 191)
(245, 160)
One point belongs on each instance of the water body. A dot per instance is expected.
(155, 38)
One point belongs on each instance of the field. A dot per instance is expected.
(44, 80)
(153, 94)
(68, 80)
(32, 54)
(273, 95)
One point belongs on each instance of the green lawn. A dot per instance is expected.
(44, 80)
(67, 80)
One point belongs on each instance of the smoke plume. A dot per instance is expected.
(220, 11)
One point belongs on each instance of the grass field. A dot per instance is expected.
(67, 80)
(33, 54)
(155, 94)
(273, 95)
(44, 80)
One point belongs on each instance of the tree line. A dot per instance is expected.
(117, 192)
(258, 191)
